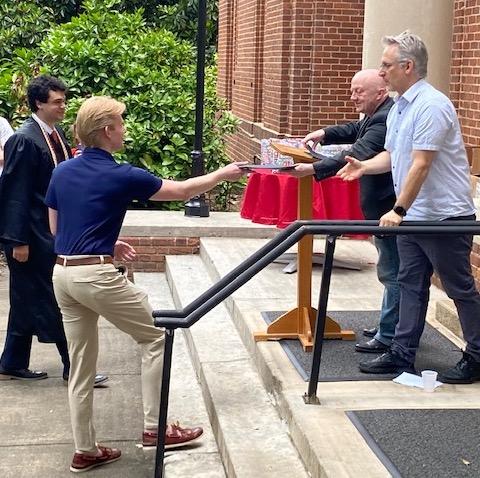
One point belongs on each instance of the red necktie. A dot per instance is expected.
(57, 146)
(54, 137)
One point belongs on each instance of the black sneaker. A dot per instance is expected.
(467, 370)
(389, 362)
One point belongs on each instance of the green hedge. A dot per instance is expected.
(107, 51)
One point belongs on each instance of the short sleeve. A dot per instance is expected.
(143, 185)
(431, 127)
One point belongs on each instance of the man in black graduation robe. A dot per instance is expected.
(30, 157)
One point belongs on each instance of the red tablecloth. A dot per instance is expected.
(272, 199)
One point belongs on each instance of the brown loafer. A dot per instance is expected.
(175, 436)
(82, 462)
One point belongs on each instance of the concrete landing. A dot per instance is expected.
(175, 224)
(325, 438)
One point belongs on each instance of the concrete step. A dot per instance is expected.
(186, 402)
(252, 439)
(325, 438)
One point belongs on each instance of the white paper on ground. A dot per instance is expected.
(412, 380)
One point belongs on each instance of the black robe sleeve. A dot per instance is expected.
(16, 190)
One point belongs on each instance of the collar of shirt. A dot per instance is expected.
(412, 92)
(97, 152)
(42, 124)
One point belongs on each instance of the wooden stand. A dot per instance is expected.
(299, 323)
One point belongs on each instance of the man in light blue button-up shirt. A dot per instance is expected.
(424, 150)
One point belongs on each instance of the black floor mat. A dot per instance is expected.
(340, 361)
(423, 443)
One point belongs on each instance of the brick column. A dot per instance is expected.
(464, 87)
(226, 23)
(337, 34)
(248, 60)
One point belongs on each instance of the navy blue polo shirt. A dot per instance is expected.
(91, 194)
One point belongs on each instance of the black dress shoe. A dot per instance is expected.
(373, 346)
(99, 379)
(466, 371)
(22, 374)
(388, 362)
(370, 332)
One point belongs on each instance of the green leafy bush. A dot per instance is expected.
(22, 25)
(107, 50)
(64, 10)
(181, 18)
(153, 72)
(14, 76)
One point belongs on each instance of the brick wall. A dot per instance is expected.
(151, 251)
(292, 62)
(247, 58)
(225, 50)
(464, 83)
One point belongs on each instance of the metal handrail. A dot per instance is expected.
(186, 317)
(227, 285)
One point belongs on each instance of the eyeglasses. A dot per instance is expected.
(387, 66)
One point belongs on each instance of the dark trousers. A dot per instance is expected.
(16, 353)
(449, 256)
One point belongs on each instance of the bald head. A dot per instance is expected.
(369, 91)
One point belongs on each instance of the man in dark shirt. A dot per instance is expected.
(87, 199)
(367, 138)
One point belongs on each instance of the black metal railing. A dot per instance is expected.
(227, 285)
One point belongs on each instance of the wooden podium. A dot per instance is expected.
(299, 323)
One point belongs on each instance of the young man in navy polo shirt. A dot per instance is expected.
(87, 199)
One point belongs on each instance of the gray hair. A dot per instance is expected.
(410, 47)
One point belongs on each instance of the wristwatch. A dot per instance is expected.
(400, 210)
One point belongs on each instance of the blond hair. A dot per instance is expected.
(95, 114)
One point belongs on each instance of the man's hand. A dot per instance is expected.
(391, 218)
(232, 172)
(20, 253)
(301, 170)
(124, 251)
(315, 136)
(354, 169)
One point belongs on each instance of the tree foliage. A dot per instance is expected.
(23, 24)
(111, 51)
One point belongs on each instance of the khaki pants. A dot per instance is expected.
(83, 294)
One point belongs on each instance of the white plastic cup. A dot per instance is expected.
(429, 377)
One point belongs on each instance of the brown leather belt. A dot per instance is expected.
(84, 261)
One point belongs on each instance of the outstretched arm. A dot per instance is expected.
(184, 190)
(356, 169)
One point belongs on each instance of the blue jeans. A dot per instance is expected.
(387, 272)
